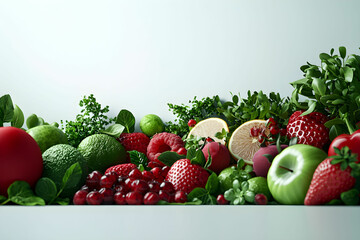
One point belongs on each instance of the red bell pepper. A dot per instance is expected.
(352, 141)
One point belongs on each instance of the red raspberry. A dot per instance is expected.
(163, 142)
(122, 170)
(134, 141)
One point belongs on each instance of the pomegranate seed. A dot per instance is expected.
(154, 186)
(80, 197)
(221, 200)
(128, 182)
(151, 198)
(164, 171)
(191, 123)
(107, 181)
(134, 198)
(147, 175)
(254, 131)
(164, 196)
(167, 187)
(180, 197)
(271, 122)
(156, 171)
(108, 195)
(139, 186)
(93, 180)
(260, 199)
(122, 189)
(135, 174)
(274, 130)
(119, 198)
(94, 198)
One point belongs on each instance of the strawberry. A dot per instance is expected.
(121, 169)
(186, 176)
(309, 129)
(333, 176)
(134, 141)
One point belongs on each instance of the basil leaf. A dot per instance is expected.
(72, 176)
(114, 130)
(127, 119)
(46, 189)
(6, 109)
(20, 193)
(212, 184)
(198, 193)
(18, 118)
(169, 158)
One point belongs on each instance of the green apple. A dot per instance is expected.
(290, 174)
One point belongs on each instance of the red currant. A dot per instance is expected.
(147, 175)
(191, 123)
(93, 180)
(107, 181)
(271, 122)
(260, 199)
(139, 186)
(221, 200)
(108, 195)
(167, 187)
(134, 198)
(119, 198)
(180, 197)
(165, 196)
(80, 197)
(254, 131)
(154, 186)
(274, 130)
(94, 198)
(122, 189)
(164, 171)
(151, 198)
(135, 174)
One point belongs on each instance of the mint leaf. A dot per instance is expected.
(212, 184)
(20, 193)
(127, 119)
(114, 130)
(46, 189)
(199, 158)
(72, 176)
(138, 158)
(18, 118)
(169, 158)
(6, 109)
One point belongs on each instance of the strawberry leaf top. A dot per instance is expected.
(346, 159)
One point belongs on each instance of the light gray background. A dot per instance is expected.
(142, 54)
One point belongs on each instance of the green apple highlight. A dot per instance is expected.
(290, 174)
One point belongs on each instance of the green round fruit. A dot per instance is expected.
(102, 151)
(225, 178)
(47, 136)
(151, 124)
(57, 160)
(259, 185)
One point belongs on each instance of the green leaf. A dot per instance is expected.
(319, 86)
(249, 196)
(169, 158)
(312, 105)
(212, 185)
(348, 74)
(324, 56)
(20, 193)
(342, 51)
(72, 176)
(6, 109)
(114, 130)
(338, 102)
(208, 161)
(62, 201)
(127, 119)
(198, 193)
(138, 158)
(191, 153)
(334, 121)
(269, 157)
(199, 158)
(46, 189)
(2, 199)
(248, 169)
(18, 118)
(350, 197)
(337, 130)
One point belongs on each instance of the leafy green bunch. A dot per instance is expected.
(91, 120)
(332, 88)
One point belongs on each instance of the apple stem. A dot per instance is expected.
(286, 168)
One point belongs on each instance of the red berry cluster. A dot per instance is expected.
(272, 125)
(147, 187)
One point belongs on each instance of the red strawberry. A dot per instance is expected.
(309, 129)
(186, 176)
(134, 141)
(121, 169)
(331, 178)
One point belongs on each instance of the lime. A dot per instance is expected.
(151, 124)
(225, 178)
(57, 160)
(47, 136)
(259, 185)
(102, 151)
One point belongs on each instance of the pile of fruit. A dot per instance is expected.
(255, 150)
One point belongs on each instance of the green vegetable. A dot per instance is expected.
(332, 88)
(91, 120)
(239, 194)
(206, 195)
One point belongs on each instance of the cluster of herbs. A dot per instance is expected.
(197, 110)
(46, 192)
(332, 88)
(91, 120)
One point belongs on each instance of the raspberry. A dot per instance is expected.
(163, 142)
(134, 141)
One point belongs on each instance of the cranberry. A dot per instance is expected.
(85, 188)
(128, 182)
(147, 175)
(80, 197)
(108, 195)
(260, 199)
(154, 186)
(167, 187)
(180, 197)
(93, 180)
(122, 189)
(135, 174)
(274, 130)
(151, 198)
(107, 181)
(164, 171)
(156, 171)
(119, 198)
(139, 186)
(271, 122)
(221, 200)
(191, 123)
(209, 139)
(134, 198)
(94, 198)
(165, 196)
